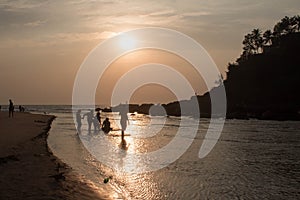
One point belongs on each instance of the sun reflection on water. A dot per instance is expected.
(126, 159)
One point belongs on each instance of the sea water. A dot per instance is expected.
(252, 159)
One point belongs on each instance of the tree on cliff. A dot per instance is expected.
(267, 38)
(255, 42)
(287, 25)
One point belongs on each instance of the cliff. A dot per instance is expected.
(266, 85)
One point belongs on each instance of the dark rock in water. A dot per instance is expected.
(106, 110)
(106, 180)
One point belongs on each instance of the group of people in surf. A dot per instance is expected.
(95, 120)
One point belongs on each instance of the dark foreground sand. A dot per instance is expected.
(28, 170)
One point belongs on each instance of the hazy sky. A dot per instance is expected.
(43, 43)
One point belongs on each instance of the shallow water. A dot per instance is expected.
(252, 159)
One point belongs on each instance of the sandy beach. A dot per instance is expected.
(29, 170)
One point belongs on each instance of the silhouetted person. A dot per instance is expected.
(96, 123)
(11, 109)
(106, 126)
(97, 120)
(21, 109)
(123, 122)
(78, 120)
(90, 117)
(98, 117)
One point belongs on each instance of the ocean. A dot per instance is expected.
(252, 159)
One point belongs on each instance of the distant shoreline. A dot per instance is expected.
(241, 112)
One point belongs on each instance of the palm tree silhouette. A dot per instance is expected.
(267, 38)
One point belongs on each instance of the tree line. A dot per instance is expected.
(255, 41)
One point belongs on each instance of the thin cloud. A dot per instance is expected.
(196, 14)
(18, 5)
(162, 13)
(57, 39)
(80, 37)
(35, 23)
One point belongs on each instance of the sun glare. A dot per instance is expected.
(127, 42)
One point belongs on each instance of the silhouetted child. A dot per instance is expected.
(106, 126)
(98, 117)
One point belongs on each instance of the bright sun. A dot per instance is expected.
(127, 42)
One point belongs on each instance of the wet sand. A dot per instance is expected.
(29, 170)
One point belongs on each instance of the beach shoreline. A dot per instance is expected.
(29, 168)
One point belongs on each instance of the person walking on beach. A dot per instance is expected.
(90, 117)
(78, 120)
(11, 109)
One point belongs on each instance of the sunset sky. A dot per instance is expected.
(44, 42)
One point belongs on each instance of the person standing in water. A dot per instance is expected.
(78, 120)
(96, 123)
(97, 120)
(98, 117)
(124, 121)
(11, 109)
(90, 117)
